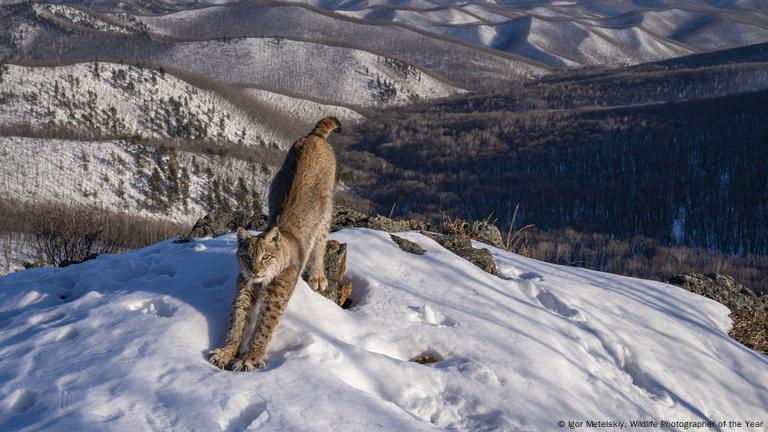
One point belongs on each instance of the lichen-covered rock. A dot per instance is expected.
(480, 230)
(219, 222)
(462, 247)
(407, 245)
(347, 217)
(339, 289)
(487, 233)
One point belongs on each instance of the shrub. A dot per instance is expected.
(67, 235)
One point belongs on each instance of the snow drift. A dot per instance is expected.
(120, 343)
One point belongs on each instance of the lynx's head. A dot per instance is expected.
(260, 257)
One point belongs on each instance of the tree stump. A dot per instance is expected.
(339, 288)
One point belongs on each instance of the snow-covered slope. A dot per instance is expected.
(120, 343)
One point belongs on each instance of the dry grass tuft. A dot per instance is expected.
(517, 240)
(455, 226)
(751, 328)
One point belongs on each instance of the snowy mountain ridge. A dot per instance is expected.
(120, 343)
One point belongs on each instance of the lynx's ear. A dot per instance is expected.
(243, 234)
(273, 235)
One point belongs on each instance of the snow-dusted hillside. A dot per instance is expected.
(117, 175)
(120, 343)
(329, 48)
(335, 75)
(454, 60)
(68, 15)
(569, 33)
(302, 109)
(56, 123)
(127, 100)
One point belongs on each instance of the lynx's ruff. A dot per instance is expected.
(300, 200)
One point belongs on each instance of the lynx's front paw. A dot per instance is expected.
(318, 283)
(246, 365)
(220, 357)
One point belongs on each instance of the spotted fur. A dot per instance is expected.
(300, 200)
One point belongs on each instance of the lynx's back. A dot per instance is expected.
(302, 191)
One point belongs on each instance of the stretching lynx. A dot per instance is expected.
(300, 200)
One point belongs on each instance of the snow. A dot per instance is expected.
(120, 343)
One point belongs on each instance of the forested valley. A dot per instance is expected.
(673, 155)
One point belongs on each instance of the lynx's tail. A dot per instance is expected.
(326, 126)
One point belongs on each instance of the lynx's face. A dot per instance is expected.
(260, 258)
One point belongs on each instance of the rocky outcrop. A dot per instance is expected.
(347, 217)
(462, 247)
(219, 222)
(407, 245)
(719, 287)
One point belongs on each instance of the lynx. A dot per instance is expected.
(300, 200)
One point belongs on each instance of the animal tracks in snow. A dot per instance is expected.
(159, 306)
(239, 413)
(549, 301)
(21, 400)
(620, 355)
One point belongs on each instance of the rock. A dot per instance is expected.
(339, 289)
(480, 230)
(749, 311)
(408, 245)
(487, 233)
(219, 222)
(426, 358)
(462, 247)
(347, 217)
(719, 287)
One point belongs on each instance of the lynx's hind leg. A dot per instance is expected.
(317, 278)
